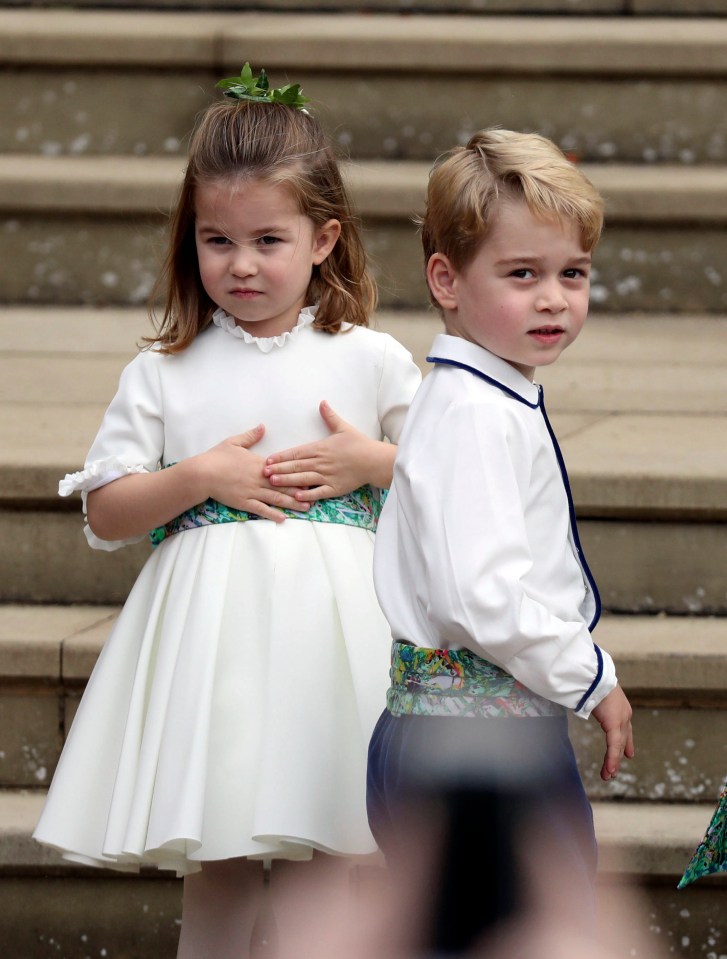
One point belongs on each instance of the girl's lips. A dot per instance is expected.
(245, 294)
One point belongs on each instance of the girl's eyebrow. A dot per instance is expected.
(270, 229)
(209, 228)
(281, 227)
(255, 234)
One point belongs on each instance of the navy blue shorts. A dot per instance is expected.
(496, 776)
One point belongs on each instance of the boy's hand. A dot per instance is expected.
(234, 476)
(342, 462)
(614, 716)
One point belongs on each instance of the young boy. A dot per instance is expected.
(477, 563)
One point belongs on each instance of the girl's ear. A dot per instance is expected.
(441, 277)
(325, 239)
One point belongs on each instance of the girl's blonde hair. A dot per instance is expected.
(466, 183)
(278, 144)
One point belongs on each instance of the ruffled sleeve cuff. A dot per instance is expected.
(109, 545)
(93, 476)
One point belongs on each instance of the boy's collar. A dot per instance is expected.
(454, 349)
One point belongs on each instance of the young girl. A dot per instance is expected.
(228, 718)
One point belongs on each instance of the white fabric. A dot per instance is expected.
(264, 343)
(474, 547)
(230, 711)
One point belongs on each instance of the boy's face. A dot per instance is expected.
(524, 296)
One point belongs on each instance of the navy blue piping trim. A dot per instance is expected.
(571, 508)
(573, 523)
(596, 681)
(489, 379)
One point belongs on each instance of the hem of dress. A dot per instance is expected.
(289, 849)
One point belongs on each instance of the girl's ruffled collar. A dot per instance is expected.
(264, 344)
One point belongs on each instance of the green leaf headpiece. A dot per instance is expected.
(257, 89)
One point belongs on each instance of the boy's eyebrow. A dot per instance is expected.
(531, 258)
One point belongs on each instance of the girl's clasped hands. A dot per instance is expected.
(292, 479)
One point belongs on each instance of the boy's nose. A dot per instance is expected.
(551, 298)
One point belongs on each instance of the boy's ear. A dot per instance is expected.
(441, 277)
(325, 239)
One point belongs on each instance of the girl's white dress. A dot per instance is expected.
(230, 710)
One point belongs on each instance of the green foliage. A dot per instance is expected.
(249, 87)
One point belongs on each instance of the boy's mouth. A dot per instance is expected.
(547, 334)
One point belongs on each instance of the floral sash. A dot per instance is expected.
(360, 508)
(456, 682)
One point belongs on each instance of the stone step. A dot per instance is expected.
(388, 86)
(641, 566)
(91, 230)
(406, 7)
(489, 8)
(50, 908)
(674, 670)
(639, 403)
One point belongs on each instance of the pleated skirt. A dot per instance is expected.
(230, 710)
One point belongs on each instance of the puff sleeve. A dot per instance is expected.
(129, 440)
(400, 379)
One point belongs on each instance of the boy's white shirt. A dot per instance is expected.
(474, 546)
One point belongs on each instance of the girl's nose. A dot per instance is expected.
(243, 262)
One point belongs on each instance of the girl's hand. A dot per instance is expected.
(336, 465)
(614, 716)
(132, 505)
(234, 476)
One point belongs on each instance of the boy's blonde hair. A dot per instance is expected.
(466, 183)
(274, 143)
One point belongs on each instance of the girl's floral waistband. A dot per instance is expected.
(360, 508)
(456, 682)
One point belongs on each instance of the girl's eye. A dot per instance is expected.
(218, 240)
(268, 240)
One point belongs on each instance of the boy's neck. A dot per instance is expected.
(527, 371)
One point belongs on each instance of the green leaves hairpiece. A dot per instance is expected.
(257, 89)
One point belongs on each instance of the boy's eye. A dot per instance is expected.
(522, 274)
(575, 273)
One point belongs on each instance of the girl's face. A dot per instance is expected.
(256, 252)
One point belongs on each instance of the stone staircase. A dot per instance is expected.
(97, 104)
